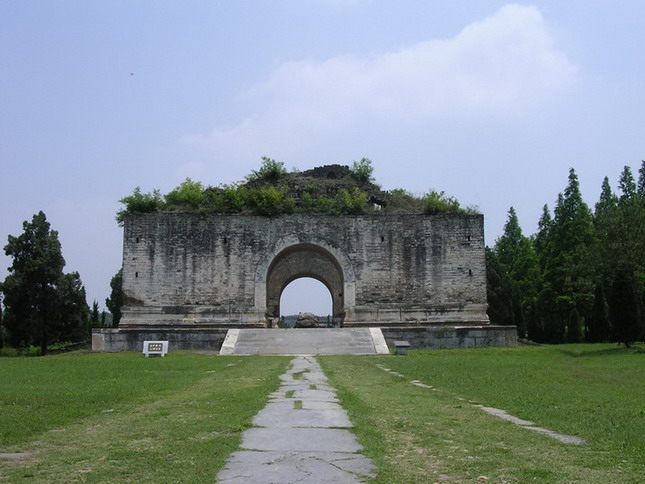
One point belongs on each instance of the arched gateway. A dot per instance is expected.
(304, 260)
(189, 277)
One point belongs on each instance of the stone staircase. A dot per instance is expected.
(327, 341)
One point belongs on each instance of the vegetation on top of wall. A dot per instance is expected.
(272, 190)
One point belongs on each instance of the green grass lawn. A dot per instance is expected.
(596, 392)
(99, 417)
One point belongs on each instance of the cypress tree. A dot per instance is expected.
(30, 289)
(115, 301)
(598, 328)
(624, 311)
(567, 258)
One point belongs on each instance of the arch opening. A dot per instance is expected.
(304, 261)
(305, 295)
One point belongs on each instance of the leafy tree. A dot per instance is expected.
(115, 301)
(30, 289)
(362, 170)
(73, 310)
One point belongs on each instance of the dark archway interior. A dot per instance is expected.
(304, 260)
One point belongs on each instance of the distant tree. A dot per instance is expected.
(94, 315)
(568, 274)
(621, 254)
(519, 261)
(30, 289)
(575, 328)
(1, 326)
(115, 301)
(73, 311)
(627, 186)
(624, 311)
(598, 328)
(498, 291)
(541, 238)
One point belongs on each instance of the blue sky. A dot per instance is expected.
(491, 101)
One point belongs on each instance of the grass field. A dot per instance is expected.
(93, 417)
(596, 392)
(124, 418)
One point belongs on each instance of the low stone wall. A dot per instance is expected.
(447, 337)
(432, 337)
(124, 340)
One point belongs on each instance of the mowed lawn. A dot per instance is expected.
(99, 417)
(92, 417)
(595, 392)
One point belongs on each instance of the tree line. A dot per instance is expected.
(44, 306)
(581, 277)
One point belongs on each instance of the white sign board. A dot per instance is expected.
(155, 348)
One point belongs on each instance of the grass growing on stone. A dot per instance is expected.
(124, 418)
(413, 434)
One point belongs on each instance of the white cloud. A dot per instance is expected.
(504, 65)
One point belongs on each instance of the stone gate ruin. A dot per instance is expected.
(189, 276)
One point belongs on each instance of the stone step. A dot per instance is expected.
(318, 341)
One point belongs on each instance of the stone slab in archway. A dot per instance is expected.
(332, 341)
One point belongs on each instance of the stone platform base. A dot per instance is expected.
(132, 340)
(452, 337)
(300, 341)
(430, 337)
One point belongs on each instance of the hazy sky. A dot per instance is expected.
(490, 101)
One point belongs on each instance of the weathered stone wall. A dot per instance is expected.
(205, 271)
(123, 340)
(445, 337)
(440, 337)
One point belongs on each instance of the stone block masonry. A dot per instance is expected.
(191, 271)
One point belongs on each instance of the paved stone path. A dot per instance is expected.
(301, 436)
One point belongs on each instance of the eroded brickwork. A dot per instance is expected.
(190, 270)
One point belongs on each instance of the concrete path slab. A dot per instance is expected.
(302, 435)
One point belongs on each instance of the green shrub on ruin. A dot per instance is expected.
(438, 202)
(140, 202)
(270, 170)
(188, 194)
